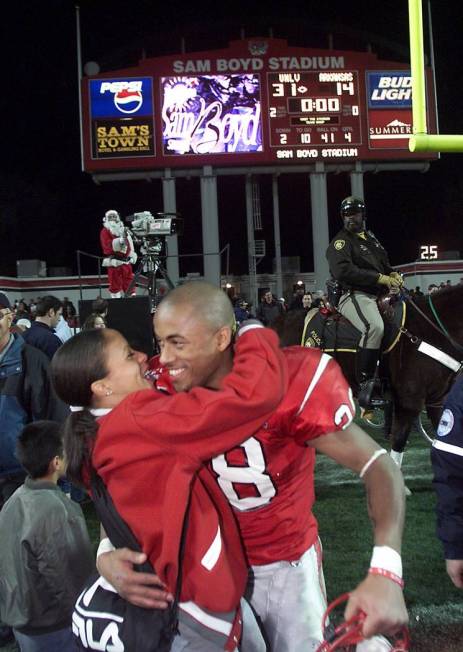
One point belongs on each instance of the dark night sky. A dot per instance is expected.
(49, 207)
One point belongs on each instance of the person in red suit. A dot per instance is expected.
(118, 249)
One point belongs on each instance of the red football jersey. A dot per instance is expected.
(269, 479)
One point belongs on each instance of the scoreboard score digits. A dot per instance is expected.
(314, 108)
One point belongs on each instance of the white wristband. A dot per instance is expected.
(373, 458)
(388, 559)
(105, 546)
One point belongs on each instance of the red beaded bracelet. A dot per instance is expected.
(385, 573)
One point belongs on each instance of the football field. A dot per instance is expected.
(435, 605)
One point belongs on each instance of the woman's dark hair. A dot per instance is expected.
(90, 321)
(75, 366)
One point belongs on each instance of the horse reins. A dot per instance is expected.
(440, 328)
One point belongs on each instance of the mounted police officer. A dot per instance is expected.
(361, 266)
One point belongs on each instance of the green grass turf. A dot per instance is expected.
(435, 605)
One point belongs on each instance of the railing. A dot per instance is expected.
(99, 259)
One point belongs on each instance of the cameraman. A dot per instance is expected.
(118, 249)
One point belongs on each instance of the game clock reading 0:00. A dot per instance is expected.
(316, 108)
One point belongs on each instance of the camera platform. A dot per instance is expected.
(150, 266)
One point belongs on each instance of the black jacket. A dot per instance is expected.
(356, 262)
(268, 312)
(447, 464)
(26, 395)
(42, 337)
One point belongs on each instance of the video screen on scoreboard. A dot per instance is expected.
(314, 108)
(211, 114)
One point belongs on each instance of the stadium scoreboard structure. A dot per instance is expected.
(260, 102)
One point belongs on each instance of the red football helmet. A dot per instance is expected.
(348, 634)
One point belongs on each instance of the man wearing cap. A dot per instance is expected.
(26, 395)
(360, 264)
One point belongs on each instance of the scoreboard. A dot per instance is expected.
(259, 102)
(314, 108)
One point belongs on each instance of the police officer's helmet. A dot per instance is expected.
(351, 205)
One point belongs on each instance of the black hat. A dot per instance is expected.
(4, 301)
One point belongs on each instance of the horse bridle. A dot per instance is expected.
(440, 328)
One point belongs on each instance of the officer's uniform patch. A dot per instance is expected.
(339, 244)
(446, 423)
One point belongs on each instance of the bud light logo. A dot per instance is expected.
(116, 98)
(389, 89)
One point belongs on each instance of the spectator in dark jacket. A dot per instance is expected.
(42, 332)
(269, 309)
(25, 395)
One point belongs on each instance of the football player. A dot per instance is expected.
(269, 481)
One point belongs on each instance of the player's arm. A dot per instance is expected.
(380, 596)
(205, 423)
(117, 567)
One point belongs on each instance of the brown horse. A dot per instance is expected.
(414, 380)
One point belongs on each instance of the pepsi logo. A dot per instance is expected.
(128, 101)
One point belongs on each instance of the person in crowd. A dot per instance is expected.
(26, 395)
(269, 482)
(71, 318)
(22, 311)
(42, 334)
(62, 329)
(360, 264)
(296, 301)
(119, 254)
(68, 307)
(432, 288)
(418, 292)
(447, 464)
(307, 301)
(240, 308)
(46, 551)
(100, 306)
(150, 448)
(269, 309)
(94, 320)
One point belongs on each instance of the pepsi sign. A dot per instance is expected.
(121, 98)
(389, 89)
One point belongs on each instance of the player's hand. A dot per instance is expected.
(382, 601)
(141, 589)
(455, 571)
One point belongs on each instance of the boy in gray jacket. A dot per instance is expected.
(46, 551)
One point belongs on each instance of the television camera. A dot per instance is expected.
(145, 225)
(149, 232)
